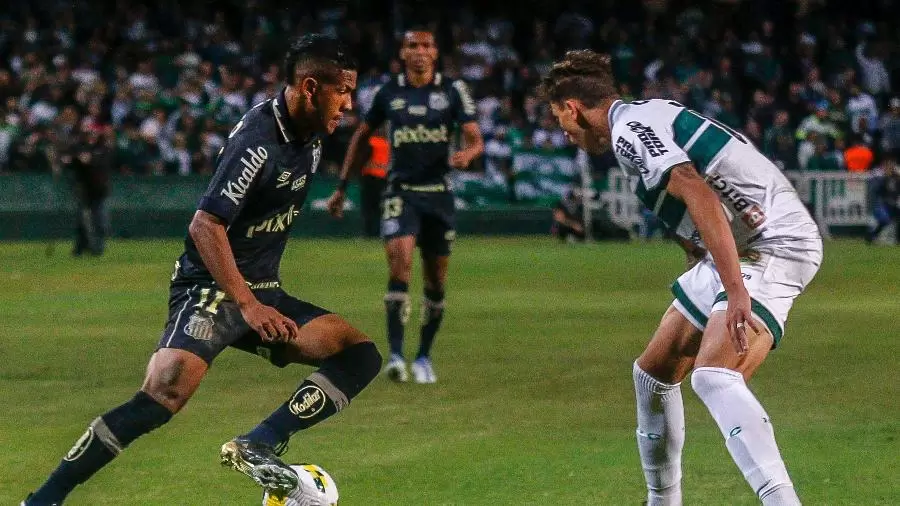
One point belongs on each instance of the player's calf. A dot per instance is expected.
(340, 378)
(432, 315)
(172, 377)
(719, 381)
(104, 439)
(397, 308)
(657, 376)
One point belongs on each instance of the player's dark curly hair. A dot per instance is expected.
(582, 75)
(319, 56)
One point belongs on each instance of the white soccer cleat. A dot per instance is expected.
(396, 369)
(423, 371)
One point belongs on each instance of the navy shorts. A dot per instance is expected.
(204, 321)
(429, 216)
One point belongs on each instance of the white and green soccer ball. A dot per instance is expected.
(316, 488)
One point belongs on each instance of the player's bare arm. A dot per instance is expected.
(352, 159)
(208, 232)
(473, 146)
(560, 217)
(706, 212)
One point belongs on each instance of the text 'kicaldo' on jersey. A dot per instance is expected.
(254, 161)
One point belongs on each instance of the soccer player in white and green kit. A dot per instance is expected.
(752, 249)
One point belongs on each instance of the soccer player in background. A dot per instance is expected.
(226, 289)
(756, 248)
(423, 109)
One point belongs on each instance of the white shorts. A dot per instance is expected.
(772, 280)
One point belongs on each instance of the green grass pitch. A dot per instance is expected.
(534, 403)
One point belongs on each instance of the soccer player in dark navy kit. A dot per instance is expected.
(226, 289)
(423, 109)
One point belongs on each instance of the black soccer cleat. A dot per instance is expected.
(27, 502)
(260, 462)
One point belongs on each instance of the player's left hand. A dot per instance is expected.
(460, 160)
(335, 203)
(738, 317)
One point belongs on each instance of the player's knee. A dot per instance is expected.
(707, 381)
(171, 398)
(400, 267)
(353, 336)
(400, 263)
(168, 386)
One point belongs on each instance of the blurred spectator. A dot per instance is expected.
(32, 152)
(823, 159)
(874, 73)
(887, 198)
(819, 124)
(778, 142)
(858, 157)
(862, 105)
(890, 127)
(498, 160)
(9, 131)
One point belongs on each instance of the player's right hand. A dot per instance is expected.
(271, 325)
(738, 317)
(336, 203)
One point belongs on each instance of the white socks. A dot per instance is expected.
(660, 437)
(748, 434)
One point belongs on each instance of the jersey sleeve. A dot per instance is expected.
(378, 112)
(462, 102)
(647, 148)
(239, 166)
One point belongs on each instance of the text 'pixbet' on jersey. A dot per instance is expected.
(420, 134)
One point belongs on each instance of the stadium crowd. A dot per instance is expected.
(155, 87)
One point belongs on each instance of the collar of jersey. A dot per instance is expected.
(612, 111)
(401, 79)
(279, 108)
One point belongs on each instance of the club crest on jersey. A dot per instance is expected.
(237, 189)
(298, 183)
(438, 101)
(397, 104)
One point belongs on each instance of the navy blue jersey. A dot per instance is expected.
(261, 180)
(422, 121)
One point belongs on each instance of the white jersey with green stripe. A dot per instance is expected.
(649, 137)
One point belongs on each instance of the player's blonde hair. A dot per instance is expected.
(583, 75)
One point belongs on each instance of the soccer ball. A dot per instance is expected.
(316, 488)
